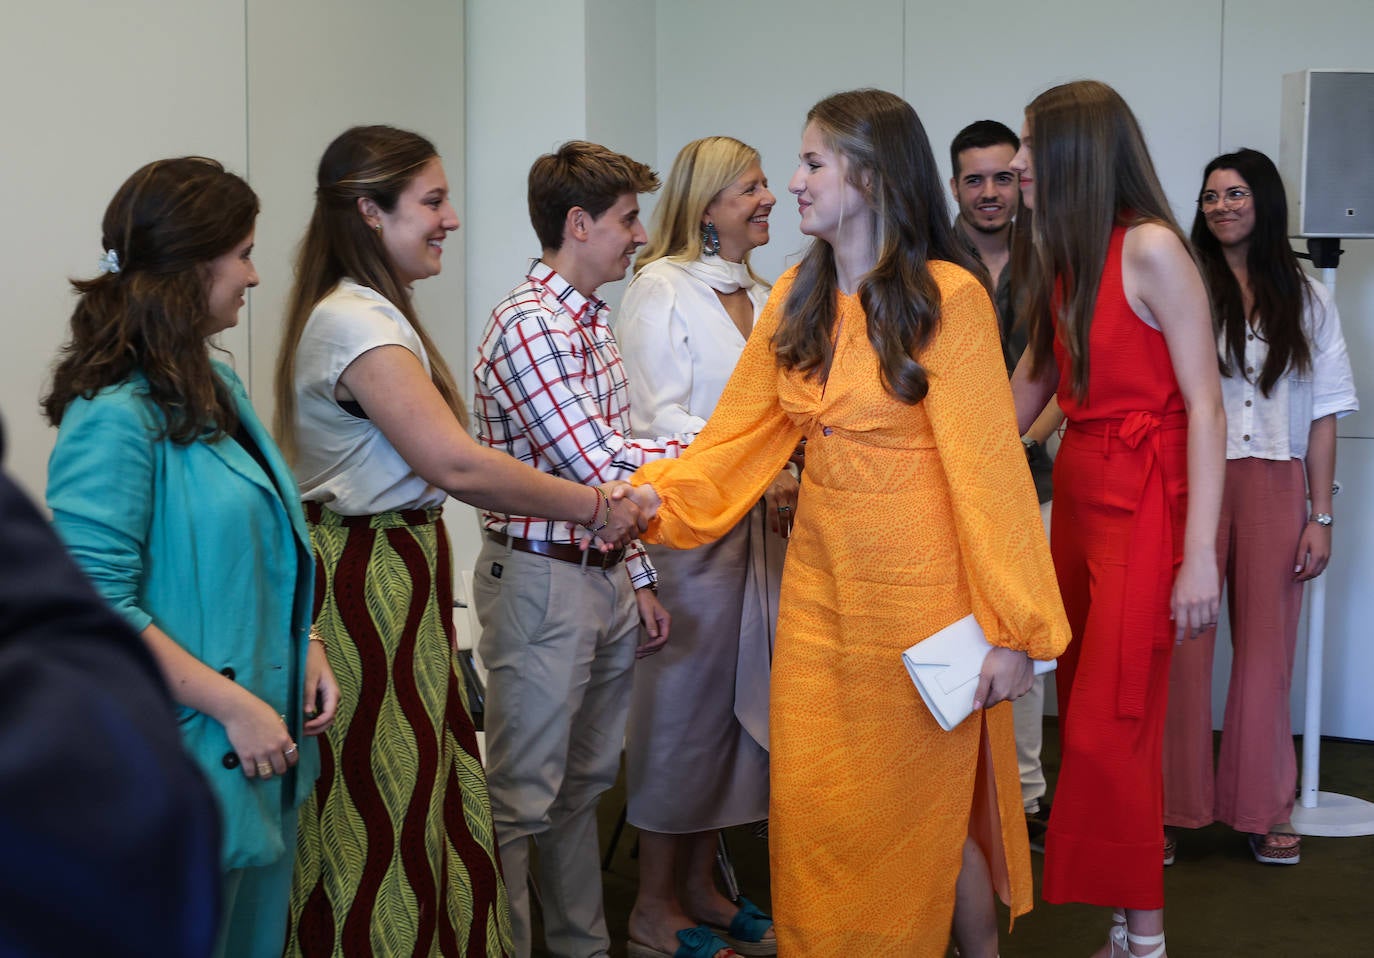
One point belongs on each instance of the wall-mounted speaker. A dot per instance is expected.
(1326, 141)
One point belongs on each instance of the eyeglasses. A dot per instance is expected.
(1234, 198)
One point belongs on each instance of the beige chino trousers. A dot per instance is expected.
(558, 640)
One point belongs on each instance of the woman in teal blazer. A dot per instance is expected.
(173, 498)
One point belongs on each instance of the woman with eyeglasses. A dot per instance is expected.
(1285, 380)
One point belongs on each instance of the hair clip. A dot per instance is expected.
(109, 262)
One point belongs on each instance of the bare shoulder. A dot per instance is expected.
(1155, 249)
(1161, 280)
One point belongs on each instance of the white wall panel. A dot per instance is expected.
(526, 82)
(93, 92)
(621, 83)
(622, 105)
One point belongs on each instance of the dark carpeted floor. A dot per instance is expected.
(1220, 901)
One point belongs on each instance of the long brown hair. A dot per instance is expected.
(376, 162)
(164, 225)
(703, 168)
(1092, 172)
(1278, 285)
(883, 143)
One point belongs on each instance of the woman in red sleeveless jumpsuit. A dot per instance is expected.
(1121, 330)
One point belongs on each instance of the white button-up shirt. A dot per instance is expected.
(1277, 426)
(680, 342)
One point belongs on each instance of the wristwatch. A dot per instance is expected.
(1321, 518)
(1031, 446)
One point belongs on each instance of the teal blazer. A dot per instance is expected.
(197, 540)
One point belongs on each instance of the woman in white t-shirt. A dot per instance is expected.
(1285, 381)
(395, 853)
(697, 742)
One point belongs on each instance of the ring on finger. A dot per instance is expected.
(290, 749)
(265, 769)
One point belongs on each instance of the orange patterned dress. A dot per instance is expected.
(910, 517)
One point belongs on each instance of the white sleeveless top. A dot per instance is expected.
(343, 461)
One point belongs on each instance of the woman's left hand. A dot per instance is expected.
(1196, 598)
(1007, 674)
(781, 500)
(321, 689)
(1314, 552)
(655, 619)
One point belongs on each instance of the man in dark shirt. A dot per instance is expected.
(989, 195)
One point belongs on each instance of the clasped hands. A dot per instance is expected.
(632, 508)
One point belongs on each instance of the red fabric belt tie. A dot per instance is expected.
(1150, 555)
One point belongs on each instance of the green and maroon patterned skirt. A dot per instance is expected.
(396, 847)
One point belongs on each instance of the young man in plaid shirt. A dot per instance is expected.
(560, 627)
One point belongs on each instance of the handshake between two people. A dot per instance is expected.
(629, 510)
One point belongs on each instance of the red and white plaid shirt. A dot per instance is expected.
(551, 392)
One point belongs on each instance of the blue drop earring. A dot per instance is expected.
(710, 239)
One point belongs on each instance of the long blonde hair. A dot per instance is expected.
(376, 162)
(702, 169)
(1092, 172)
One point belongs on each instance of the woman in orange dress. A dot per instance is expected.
(1119, 327)
(916, 508)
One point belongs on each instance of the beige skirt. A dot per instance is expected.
(696, 747)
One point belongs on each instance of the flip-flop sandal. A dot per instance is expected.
(698, 942)
(1267, 852)
(746, 931)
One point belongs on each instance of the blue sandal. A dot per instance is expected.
(747, 929)
(698, 942)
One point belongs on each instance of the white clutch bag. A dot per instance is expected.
(945, 669)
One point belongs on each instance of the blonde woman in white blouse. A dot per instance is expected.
(697, 745)
(1285, 380)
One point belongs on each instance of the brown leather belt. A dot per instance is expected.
(559, 550)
